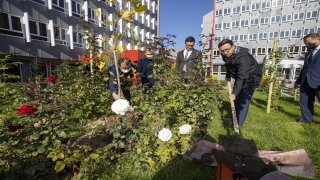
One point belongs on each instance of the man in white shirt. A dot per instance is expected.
(186, 59)
(309, 78)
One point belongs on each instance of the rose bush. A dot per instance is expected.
(52, 79)
(120, 106)
(185, 129)
(164, 135)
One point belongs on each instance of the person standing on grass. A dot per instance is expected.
(126, 72)
(309, 78)
(145, 68)
(244, 69)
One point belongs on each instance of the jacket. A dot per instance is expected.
(125, 78)
(243, 67)
(145, 67)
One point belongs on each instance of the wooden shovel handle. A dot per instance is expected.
(233, 109)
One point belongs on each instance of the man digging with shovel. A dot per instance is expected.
(246, 72)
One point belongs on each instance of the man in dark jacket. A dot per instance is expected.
(186, 59)
(145, 67)
(246, 72)
(126, 72)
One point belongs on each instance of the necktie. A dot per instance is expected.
(185, 65)
(310, 57)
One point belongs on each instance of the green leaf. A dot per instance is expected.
(35, 153)
(57, 143)
(94, 155)
(41, 149)
(116, 134)
(59, 166)
(62, 134)
(139, 151)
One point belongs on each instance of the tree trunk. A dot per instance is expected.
(275, 45)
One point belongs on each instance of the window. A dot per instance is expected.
(304, 49)
(39, 1)
(265, 5)
(58, 5)
(252, 37)
(78, 39)
(227, 11)
(38, 30)
(76, 8)
(255, 22)
(236, 10)
(318, 31)
(287, 2)
(296, 33)
(243, 38)
(216, 53)
(255, 7)
(234, 38)
(276, 3)
(311, 15)
(235, 24)
(261, 51)
(219, 12)
(60, 36)
(272, 35)
(284, 48)
(308, 31)
(300, 1)
(92, 18)
(286, 18)
(13, 28)
(217, 39)
(244, 23)
(275, 19)
(284, 34)
(298, 17)
(264, 20)
(226, 25)
(104, 19)
(217, 26)
(252, 51)
(225, 37)
(245, 8)
(263, 35)
(294, 50)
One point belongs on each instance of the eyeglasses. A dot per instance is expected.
(190, 45)
(225, 50)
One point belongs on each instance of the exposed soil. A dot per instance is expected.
(238, 155)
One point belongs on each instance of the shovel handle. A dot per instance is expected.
(233, 109)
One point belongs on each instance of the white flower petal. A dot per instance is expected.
(165, 135)
(120, 106)
(185, 129)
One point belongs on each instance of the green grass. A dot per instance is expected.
(274, 131)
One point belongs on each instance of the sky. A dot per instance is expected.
(183, 18)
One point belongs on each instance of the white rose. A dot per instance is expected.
(120, 106)
(185, 129)
(165, 135)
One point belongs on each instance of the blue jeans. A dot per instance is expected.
(242, 103)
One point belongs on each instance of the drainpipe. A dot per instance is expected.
(212, 37)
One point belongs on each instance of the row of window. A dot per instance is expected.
(78, 10)
(259, 6)
(11, 25)
(297, 33)
(265, 50)
(311, 15)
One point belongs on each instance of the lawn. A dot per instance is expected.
(274, 131)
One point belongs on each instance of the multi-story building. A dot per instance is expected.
(255, 23)
(50, 29)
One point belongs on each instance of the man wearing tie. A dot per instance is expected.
(185, 61)
(309, 78)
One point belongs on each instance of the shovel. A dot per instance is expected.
(234, 116)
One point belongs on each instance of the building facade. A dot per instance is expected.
(50, 29)
(255, 23)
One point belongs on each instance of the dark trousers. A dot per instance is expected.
(307, 98)
(127, 95)
(242, 103)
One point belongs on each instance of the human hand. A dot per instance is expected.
(115, 96)
(296, 86)
(228, 79)
(232, 97)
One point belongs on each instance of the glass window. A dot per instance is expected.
(16, 23)
(252, 37)
(261, 51)
(300, 1)
(284, 34)
(264, 20)
(4, 21)
(311, 15)
(43, 29)
(33, 27)
(265, 5)
(296, 33)
(245, 8)
(236, 10)
(39, 1)
(243, 38)
(255, 7)
(287, 2)
(263, 35)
